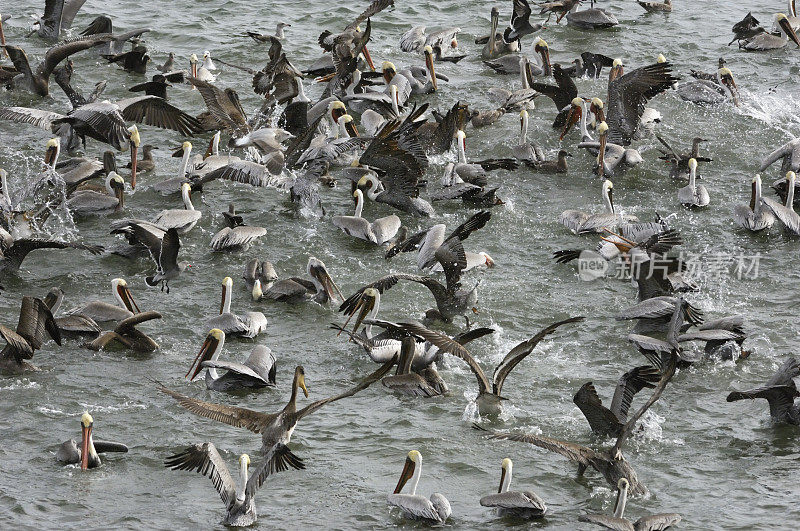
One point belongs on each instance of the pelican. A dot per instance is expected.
(240, 505)
(653, 522)
(251, 325)
(592, 18)
(768, 41)
(405, 381)
(69, 324)
(103, 312)
(15, 247)
(489, 398)
(126, 334)
(525, 150)
(788, 154)
(780, 391)
(378, 232)
(785, 213)
(237, 234)
(35, 320)
(256, 372)
(200, 72)
(580, 222)
(711, 92)
(496, 46)
(146, 163)
(656, 7)
(89, 202)
(521, 504)
(264, 272)
(183, 220)
(275, 428)
(416, 507)
(103, 24)
(693, 195)
(514, 100)
(175, 184)
(320, 289)
(755, 216)
(70, 454)
(551, 166)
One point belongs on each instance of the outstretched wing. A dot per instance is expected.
(573, 452)
(205, 459)
(278, 459)
(629, 384)
(155, 111)
(237, 417)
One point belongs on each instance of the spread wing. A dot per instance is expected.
(573, 452)
(278, 459)
(64, 49)
(155, 111)
(205, 459)
(629, 384)
(24, 115)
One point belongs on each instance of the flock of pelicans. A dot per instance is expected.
(297, 144)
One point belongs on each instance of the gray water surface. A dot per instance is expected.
(720, 465)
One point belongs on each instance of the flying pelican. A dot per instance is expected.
(653, 522)
(126, 334)
(592, 18)
(415, 40)
(35, 320)
(489, 398)
(378, 232)
(251, 325)
(521, 504)
(495, 45)
(436, 509)
(405, 381)
(780, 391)
(693, 195)
(275, 428)
(785, 213)
(58, 16)
(755, 216)
(89, 202)
(237, 234)
(240, 505)
(256, 372)
(580, 222)
(609, 422)
(320, 289)
(103, 25)
(103, 312)
(768, 41)
(70, 454)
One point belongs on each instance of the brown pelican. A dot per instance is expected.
(184, 219)
(415, 40)
(35, 320)
(592, 18)
(580, 222)
(754, 216)
(780, 391)
(236, 235)
(264, 272)
(90, 202)
(320, 289)
(693, 195)
(165, 254)
(405, 381)
(785, 213)
(352, 33)
(788, 154)
(496, 46)
(653, 522)
(200, 73)
(521, 504)
(240, 505)
(656, 7)
(103, 24)
(69, 324)
(126, 334)
(711, 92)
(37, 80)
(679, 162)
(529, 151)
(609, 422)
(515, 100)
(560, 7)
(256, 372)
(174, 184)
(489, 400)
(416, 507)
(250, 325)
(475, 172)
(378, 232)
(58, 16)
(14, 250)
(69, 452)
(103, 312)
(767, 41)
(275, 428)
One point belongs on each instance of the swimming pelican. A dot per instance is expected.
(378, 232)
(755, 216)
(711, 92)
(515, 100)
(785, 213)
(35, 320)
(780, 391)
(126, 334)
(70, 454)
(103, 312)
(522, 504)
(275, 428)
(89, 202)
(526, 150)
(768, 41)
(183, 219)
(580, 222)
(200, 72)
(653, 522)
(559, 165)
(251, 325)
(496, 46)
(240, 505)
(69, 324)
(175, 184)
(656, 7)
(693, 195)
(592, 18)
(489, 400)
(256, 372)
(436, 509)
(405, 381)
(320, 289)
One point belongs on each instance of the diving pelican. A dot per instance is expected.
(240, 505)
(653, 522)
(256, 372)
(250, 325)
(405, 381)
(780, 391)
(785, 213)
(35, 320)
(693, 195)
(522, 504)
(89, 202)
(70, 454)
(755, 216)
(378, 232)
(768, 41)
(496, 45)
(580, 222)
(416, 507)
(320, 289)
(489, 400)
(103, 312)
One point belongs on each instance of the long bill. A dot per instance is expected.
(127, 298)
(86, 434)
(573, 117)
(405, 475)
(368, 58)
(429, 64)
(787, 28)
(210, 346)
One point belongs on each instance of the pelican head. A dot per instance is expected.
(786, 27)
(346, 121)
(428, 52)
(186, 188)
(597, 102)
(791, 177)
(322, 279)
(661, 58)
(369, 300)
(622, 497)
(573, 116)
(725, 77)
(622, 484)
(86, 437)
(337, 110)
(257, 291)
(300, 379)
(413, 460)
(227, 286)
(193, 58)
(692, 164)
(212, 346)
(389, 71)
(616, 70)
(608, 191)
(505, 471)
(543, 49)
(135, 140)
(116, 186)
(52, 150)
(123, 294)
(602, 129)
